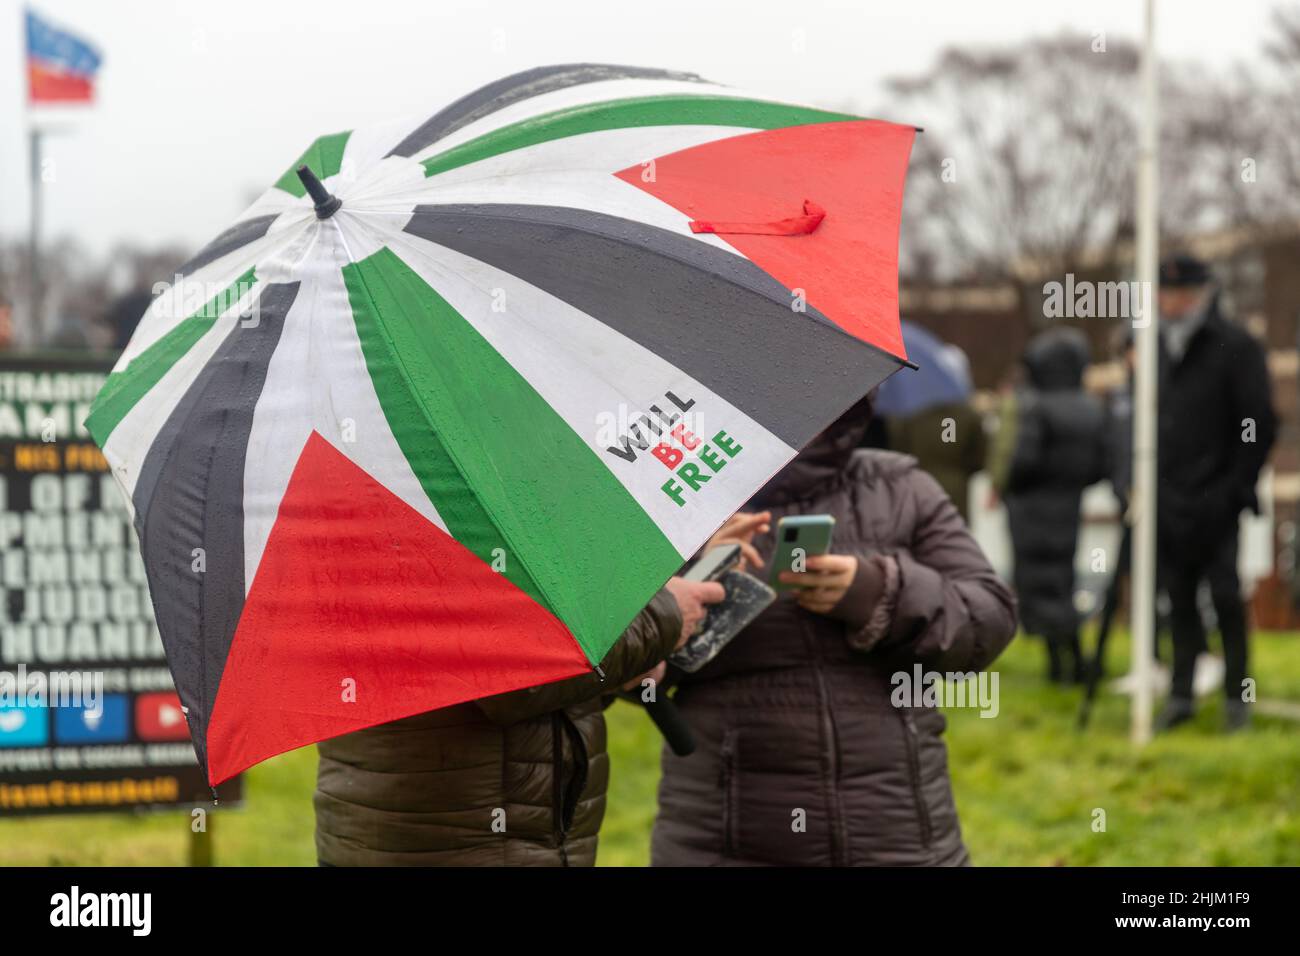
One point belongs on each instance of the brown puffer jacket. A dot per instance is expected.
(516, 780)
(793, 722)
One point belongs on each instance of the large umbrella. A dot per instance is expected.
(438, 415)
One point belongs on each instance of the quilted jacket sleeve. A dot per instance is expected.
(951, 611)
(648, 639)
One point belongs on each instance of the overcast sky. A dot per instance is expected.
(204, 104)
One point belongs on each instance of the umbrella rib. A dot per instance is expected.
(486, 211)
(452, 457)
(344, 240)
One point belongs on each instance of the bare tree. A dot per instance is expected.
(1027, 159)
(85, 292)
(1282, 53)
(1232, 142)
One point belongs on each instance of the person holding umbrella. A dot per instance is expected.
(433, 431)
(513, 780)
(1217, 425)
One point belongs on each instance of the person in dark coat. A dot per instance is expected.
(1216, 427)
(1061, 447)
(1119, 418)
(806, 752)
(948, 441)
(518, 779)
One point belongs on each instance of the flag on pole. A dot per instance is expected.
(61, 67)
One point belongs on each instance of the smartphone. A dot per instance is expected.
(799, 537)
(714, 563)
(747, 598)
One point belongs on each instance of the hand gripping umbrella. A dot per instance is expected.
(441, 412)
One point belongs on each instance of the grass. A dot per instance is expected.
(1027, 784)
(1027, 787)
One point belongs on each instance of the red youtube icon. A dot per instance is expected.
(159, 717)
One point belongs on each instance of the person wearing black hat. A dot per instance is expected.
(1216, 426)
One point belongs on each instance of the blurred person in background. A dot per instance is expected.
(1118, 401)
(518, 779)
(1119, 418)
(1217, 426)
(1001, 442)
(69, 337)
(1060, 448)
(124, 314)
(927, 413)
(6, 323)
(798, 711)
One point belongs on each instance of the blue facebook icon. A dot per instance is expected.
(106, 724)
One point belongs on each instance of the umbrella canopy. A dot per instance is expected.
(441, 412)
(941, 378)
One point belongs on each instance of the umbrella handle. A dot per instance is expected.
(672, 725)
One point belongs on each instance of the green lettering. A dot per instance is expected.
(691, 474)
(727, 444)
(712, 458)
(674, 491)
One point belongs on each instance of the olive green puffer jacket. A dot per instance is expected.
(518, 779)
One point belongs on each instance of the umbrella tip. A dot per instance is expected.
(326, 204)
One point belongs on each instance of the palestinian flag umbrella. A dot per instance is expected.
(441, 412)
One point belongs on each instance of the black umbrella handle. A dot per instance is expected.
(672, 725)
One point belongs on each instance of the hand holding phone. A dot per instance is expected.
(826, 581)
(798, 538)
(739, 530)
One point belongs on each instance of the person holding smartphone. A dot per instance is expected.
(802, 756)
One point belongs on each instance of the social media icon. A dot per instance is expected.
(107, 722)
(24, 725)
(159, 716)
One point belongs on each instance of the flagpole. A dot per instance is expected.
(34, 238)
(1146, 397)
(61, 67)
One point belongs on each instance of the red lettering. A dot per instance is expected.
(670, 456)
(686, 438)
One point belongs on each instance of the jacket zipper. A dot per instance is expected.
(831, 754)
(727, 781)
(912, 739)
(557, 785)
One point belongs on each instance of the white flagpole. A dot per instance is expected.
(1146, 396)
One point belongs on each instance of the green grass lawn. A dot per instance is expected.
(1027, 786)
